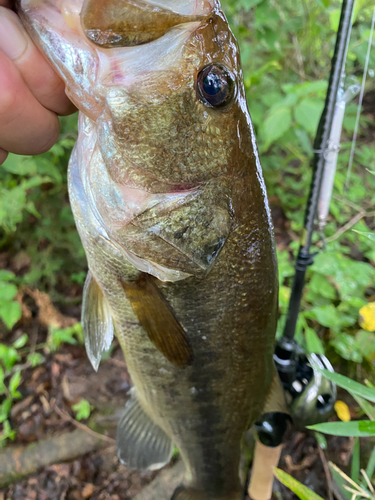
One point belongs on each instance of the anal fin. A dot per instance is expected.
(141, 444)
(158, 320)
(96, 321)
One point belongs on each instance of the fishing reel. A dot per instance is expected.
(310, 396)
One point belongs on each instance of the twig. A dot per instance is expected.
(326, 472)
(349, 224)
(349, 203)
(84, 427)
(299, 58)
(17, 462)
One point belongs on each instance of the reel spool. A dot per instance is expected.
(310, 396)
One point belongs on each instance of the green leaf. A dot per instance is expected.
(321, 440)
(320, 285)
(78, 277)
(67, 335)
(8, 356)
(302, 492)
(367, 407)
(366, 344)
(307, 113)
(340, 481)
(21, 341)
(3, 388)
(20, 165)
(8, 433)
(371, 465)
(318, 87)
(35, 359)
(369, 235)
(14, 383)
(367, 426)
(334, 19)
(82, 409)
(10, 313)
(327, 315)
(7, 292)
(349, 429)
(5, 408)
(275, 125)
(6, 275)
(350, 385)
(248, 4)
(313, 342)
(347, 346)
(355, 461)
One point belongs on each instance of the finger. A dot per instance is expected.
(26, 127)
(3, 156)
(42, 80)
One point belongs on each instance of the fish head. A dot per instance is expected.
(166, 154)
(174, 105)
(176, 121)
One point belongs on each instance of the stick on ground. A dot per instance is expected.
(18, 462)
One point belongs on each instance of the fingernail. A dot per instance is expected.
(13, 40)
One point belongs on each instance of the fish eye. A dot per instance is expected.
(216, 85)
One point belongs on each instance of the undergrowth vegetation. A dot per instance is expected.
(286, 49)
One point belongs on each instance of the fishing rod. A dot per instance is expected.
(296, 370)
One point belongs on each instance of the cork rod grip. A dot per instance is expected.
(265, 460)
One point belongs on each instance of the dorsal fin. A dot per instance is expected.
(96, 321)
(158, 320)
(124, 23)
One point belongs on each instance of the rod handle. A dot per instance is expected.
(264, 463)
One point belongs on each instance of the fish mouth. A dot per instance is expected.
(109, 23)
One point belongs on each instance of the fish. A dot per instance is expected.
(168, 196)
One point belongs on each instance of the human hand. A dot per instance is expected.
(31, 93)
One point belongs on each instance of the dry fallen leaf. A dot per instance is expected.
(88, 490)
(48, 315)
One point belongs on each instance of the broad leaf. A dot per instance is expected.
(275, 125)
(307, 113)
(351, 386)
(369, 235)
(10, 313)
(348, 429)
(367, 426)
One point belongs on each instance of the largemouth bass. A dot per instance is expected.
(168, 196)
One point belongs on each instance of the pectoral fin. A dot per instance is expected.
(96, 321)
(158, 320)
(141, 444)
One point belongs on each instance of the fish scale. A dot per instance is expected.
(169, 201)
